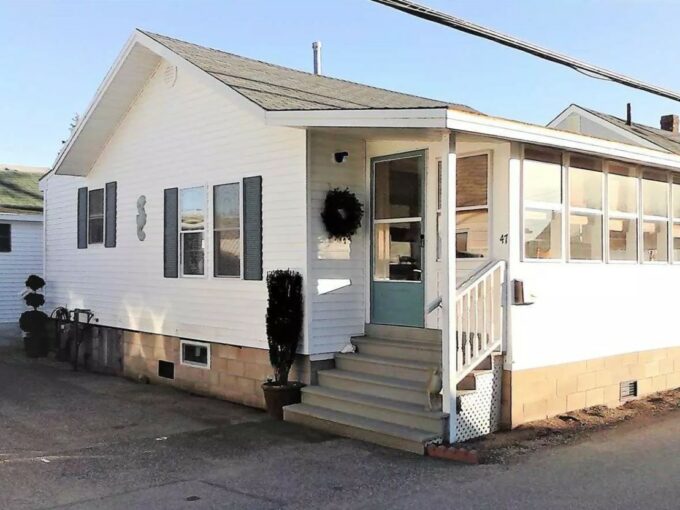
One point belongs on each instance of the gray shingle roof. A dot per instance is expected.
(276, 88)
(19, 192)
(664, 139)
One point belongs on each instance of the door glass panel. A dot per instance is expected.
(397, 252)
(397, 189)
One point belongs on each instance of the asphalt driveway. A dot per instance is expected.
(81, 441)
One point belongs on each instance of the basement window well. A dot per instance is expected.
(195, 354)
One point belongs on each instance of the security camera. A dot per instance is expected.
(341, 157)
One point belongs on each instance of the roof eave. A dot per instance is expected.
(434, 117)
(521, 132)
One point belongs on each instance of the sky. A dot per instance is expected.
(54, 54)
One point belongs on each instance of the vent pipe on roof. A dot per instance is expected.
(629, 114)
(316, 46)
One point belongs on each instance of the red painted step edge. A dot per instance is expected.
(451, 453)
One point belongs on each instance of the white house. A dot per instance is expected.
(21, 241)
(533, 264)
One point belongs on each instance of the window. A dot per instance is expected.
(195, 354)
(472, 206)
(586, 187)
(192, 231)
(95, 216)
(5, 237)
(655, 215)
(227, 230)
(542, 188)
(675, 199)
(622, 195)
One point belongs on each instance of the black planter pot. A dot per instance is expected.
(36, 345)
(277, 397)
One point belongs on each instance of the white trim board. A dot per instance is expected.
(517, 131)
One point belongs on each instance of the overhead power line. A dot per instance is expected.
(442, 18)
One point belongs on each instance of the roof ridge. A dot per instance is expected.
(636, 124)
(154, 35)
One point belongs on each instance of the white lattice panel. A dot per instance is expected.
(480, 411)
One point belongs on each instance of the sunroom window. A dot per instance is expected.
(472, 206)
(655, 216)
(675, 198)
(622, 192)
(543, 204)
(586, 185)
(192, 231)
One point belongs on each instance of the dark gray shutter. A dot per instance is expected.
(170, 233)
(252, 228)
(82, 218)
(110, 219)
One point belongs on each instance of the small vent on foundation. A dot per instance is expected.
(628, 390)
(166, 369)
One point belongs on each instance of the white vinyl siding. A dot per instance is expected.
(337, 315)
(16, 265)
(181, 137)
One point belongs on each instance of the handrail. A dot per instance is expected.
(434, 304)
(479, 318)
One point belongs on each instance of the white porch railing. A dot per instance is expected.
(479, 318)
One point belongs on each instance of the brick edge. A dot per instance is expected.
(448, 452)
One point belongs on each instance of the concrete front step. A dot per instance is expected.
(403, 333)
(418, 371)
(402, 349)
(376, 408)
(357, 427)
(379, 386)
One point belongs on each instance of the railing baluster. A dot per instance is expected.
(485, 340)
(492, 303)
(475, 331)
(478, 315)
(468, 313)
(459, 334)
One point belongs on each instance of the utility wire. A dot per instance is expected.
(441, 18)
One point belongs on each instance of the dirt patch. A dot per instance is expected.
(502, 447)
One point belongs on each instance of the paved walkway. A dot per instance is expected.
(83, 441)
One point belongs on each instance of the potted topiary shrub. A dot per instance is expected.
(284, 326)
(34, 322)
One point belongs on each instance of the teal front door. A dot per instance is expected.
(397, 290)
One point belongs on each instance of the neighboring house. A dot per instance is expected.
(509, 254)
(21, 240)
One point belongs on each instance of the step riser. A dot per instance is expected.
(374, 389)
(403, 333)
(469, 382)
(354, 433)
(355, 364)
(434, 425)
(414, 342)
(396, 351)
